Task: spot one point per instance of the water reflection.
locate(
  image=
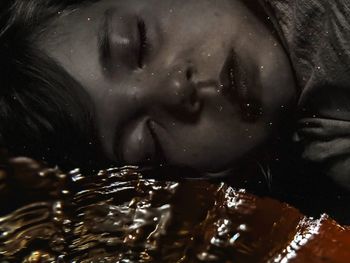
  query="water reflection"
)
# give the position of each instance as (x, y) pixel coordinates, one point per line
(118, 215)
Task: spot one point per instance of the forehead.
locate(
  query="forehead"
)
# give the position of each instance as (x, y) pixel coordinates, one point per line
(72, 36)
(85, 14)
(84, 21)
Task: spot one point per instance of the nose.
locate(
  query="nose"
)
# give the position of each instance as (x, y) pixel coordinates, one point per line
(172, 89)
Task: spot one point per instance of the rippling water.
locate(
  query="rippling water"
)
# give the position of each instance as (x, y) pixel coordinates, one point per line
(119, 216)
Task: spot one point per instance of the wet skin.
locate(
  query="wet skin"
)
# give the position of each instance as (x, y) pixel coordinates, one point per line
(191, 83)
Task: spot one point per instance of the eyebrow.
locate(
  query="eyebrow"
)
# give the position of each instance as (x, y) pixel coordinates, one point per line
(104, 46)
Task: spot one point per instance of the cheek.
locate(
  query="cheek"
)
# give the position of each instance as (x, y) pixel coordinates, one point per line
(278, 84)
(274, 72)
(215, 141)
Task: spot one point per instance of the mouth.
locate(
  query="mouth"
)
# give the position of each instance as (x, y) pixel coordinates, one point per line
(158, 156)
(139, 144)
(238, 88)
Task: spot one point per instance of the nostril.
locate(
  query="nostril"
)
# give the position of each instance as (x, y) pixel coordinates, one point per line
(193, 104)
(193, 97)
(183, 101)
(189, 73)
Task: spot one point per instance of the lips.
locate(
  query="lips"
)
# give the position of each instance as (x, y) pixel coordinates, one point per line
(238, 88)
(231, 78)
(139, 145)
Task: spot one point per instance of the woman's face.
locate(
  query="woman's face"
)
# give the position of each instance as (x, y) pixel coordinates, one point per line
(191, 83)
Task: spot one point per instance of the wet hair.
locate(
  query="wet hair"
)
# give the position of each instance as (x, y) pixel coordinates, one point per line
(44, 112)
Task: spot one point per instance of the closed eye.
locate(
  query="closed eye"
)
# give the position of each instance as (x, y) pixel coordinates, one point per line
(143, 44)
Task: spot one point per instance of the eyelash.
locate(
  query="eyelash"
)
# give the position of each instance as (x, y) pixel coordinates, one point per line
(141, 26)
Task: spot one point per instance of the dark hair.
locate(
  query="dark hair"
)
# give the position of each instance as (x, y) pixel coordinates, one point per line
(44, 112)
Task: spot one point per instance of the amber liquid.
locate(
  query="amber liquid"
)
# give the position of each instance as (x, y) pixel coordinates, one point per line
(120, 216)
